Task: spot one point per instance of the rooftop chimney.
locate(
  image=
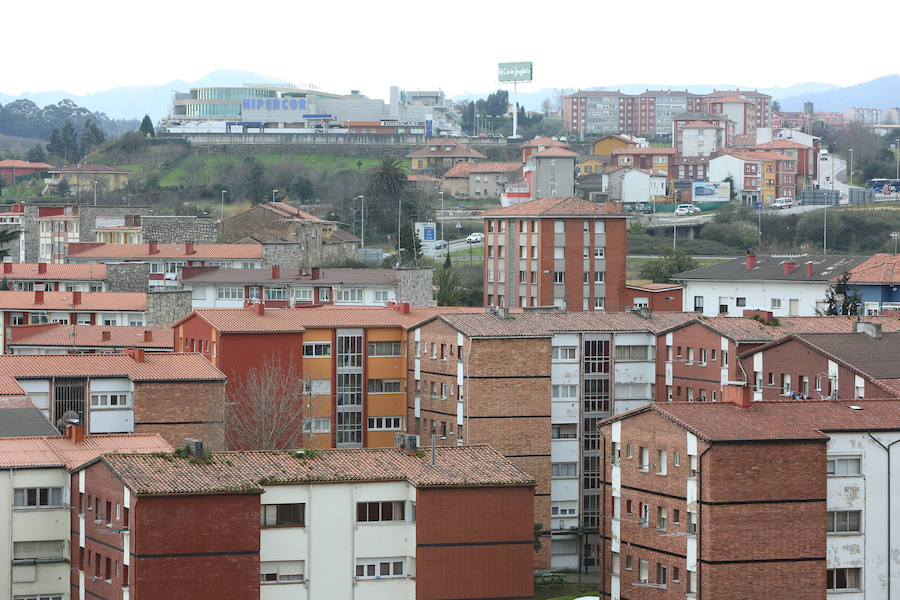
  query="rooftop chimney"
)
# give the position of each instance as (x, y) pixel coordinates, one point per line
(148, 335)
(402, 308)
(809, 268)
(153, 247)
(257, 307)
(75, 431)
(314, 273)
(765, 315)
(7, 267)
(189, 248)
(42, 267)
(276, 272)
(750, 261)
(76, 297)
(788, 266)
(873, 330)
(738, 393)
(194, 447)
(38, 296)
(136, 353)
(105, 335)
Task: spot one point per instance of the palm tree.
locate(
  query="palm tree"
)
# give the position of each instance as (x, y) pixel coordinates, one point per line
(387, 180)
(448, 291)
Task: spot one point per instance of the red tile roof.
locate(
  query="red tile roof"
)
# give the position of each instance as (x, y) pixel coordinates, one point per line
(557, 207)
(90, 301)
(291, 320)
(82, 250)
(654, 287)
(55, 272)
(544, 141)
(286, 210)
(746, 330)
(731, 99)
(782, 144)
(556, 152)
(793, 420)
(90, 336)
(157, 366)
(760, 156)
(243, 472)
(24, 164)
(461, 170)
(63, 452)
(881, 269)
(329, 276)
(495, 167)
(87, 168)
(647, 151)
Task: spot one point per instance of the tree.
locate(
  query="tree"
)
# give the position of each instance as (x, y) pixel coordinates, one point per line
(842, 297)
(410, 244)
(447, 263)
(3, 184)
(55, 145)
(388, 178)
(256, 186)
(449, 292)
(35, 154)
(664, 268)
(547, 107)
(69, 142)
(302, 188)
(147, 126)
(6, 237)
(497, 103)
(776, 106)
(91, 136)
(62, 188)
(265, 407)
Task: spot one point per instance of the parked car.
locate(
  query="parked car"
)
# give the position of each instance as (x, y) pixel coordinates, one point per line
(782, 203)
(440, 245)
(475, 238)
(686, 209)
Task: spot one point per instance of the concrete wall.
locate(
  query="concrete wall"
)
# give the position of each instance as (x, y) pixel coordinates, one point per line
(416, 286)
(179, 229)
(164, 308)
(127, 277)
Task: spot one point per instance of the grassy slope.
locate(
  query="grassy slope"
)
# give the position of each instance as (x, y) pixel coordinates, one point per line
(178, 174)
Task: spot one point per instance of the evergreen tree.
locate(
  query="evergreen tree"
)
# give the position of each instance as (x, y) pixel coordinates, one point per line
(3, 184)
(663, 269)
(147, 126)
(69, 143)
(35, 154)
(55, 145)
(91, 136)
(842, 297)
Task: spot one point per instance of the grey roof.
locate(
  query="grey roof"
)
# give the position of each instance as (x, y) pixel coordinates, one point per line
(18, 421)
(337, 276)
(771, 268)
(878, 357)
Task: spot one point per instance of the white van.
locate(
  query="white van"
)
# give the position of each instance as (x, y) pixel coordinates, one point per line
(782, 203)
(823, 154)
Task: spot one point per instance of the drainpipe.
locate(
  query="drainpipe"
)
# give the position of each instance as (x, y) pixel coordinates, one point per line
(602, 518)
(700, 519)
(468, 356)
(888, 450)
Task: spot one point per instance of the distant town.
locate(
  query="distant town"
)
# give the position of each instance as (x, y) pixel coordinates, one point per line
(287, 343)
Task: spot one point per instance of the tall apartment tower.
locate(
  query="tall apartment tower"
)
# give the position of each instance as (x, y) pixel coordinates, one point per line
(562, 252)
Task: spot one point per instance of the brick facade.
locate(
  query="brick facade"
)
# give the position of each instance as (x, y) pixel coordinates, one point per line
(179, 410)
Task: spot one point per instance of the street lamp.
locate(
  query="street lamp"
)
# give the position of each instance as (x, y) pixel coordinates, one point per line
(362, 225)
(442, 214)
(273, 195)
(851, 168)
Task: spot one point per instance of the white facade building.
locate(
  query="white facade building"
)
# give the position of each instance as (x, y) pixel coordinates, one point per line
(635, 186)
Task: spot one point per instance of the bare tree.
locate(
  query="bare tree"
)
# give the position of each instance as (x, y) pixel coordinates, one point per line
(547, 107)
(265, 407)
(559, 100)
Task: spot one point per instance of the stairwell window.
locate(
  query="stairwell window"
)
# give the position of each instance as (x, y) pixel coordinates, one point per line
(843, 579)
(283, 515)
(645, 459)
(44, 497)
(843, 521)
(843, 466)
(282, 571)
(379, 568)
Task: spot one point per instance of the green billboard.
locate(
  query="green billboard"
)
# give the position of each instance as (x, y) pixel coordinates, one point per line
(515, 71)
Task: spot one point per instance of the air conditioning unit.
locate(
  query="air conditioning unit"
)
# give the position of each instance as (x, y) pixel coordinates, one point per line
(406, 441)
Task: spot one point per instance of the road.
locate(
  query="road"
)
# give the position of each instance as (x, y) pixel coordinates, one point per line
(833, 172)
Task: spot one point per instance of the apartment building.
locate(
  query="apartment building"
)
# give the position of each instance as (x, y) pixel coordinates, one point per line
(54, 277)
(167, 260)
(696, 359)
(75, 308)
(716, 131)
(35, 500)
(877, 279)
(56, 338)
(352, 361)
(374, 523)
(794, 286)
(660, 161)
(441, 154)
(807, 156)
(845, 366)
(589, 113)
(215, 287)
(58, 226)
(562, 252)
(688, 485)
(175, 395)
(759, 177)
(533, 385)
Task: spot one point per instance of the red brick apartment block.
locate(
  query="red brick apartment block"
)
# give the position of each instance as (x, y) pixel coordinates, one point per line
(555, 251)
(323, 524)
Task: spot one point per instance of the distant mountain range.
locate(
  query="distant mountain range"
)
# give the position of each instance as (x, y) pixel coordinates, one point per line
(155, 100)
(883, 92)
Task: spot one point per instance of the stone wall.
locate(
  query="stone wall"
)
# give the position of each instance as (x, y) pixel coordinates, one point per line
(127, 277)
(416, 286)
(179, 229)
(164, 308)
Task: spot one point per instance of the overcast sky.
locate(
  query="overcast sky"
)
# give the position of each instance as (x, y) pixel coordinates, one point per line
(93, 45)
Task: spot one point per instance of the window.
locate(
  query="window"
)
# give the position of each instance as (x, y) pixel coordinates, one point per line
(644, 572)
(303, 294)
(379, 568)
(818, 383)
(316, 387)
(564, 391)
(723, 306)
(317, 425)
(316, 349)
(843, 579)
(676, 459)
(628, 562)
(843, 521)
(385, 423)
(785, 384)
(563, 353)
(559, 253)
(661, 574)
(631, 353)
(776, 303)
(692, 523)
(349, 295)
(109, 400)
(563, 509)
(276, 293)
(740, 301)
(698, 303)
(324, 294)
(628, 454)
(599, 252)
(52, 549)
(384, 386)
(645, 458)
(283, 515)
(384, 349)
(628, 507)
(703, 357)
(662, 520)
(690, 359)
(37, 497)
(564, 432)
(564, 469)
(661, 463)
(843, 466)
(380, 512)
(598, 276)
(676, 516)
(559, 277)
(281, 571)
